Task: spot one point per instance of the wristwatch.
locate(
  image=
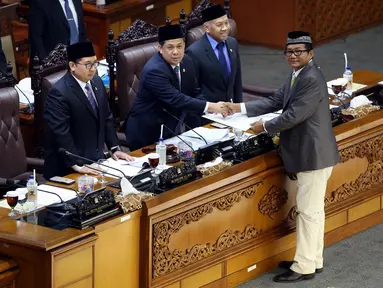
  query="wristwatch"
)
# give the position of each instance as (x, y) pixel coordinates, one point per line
(115, 149)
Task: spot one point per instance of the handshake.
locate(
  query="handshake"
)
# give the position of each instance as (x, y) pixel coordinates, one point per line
(224, 108)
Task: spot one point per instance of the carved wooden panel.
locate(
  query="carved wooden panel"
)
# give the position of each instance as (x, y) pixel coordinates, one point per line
(373, 176)
(273, 201)
(329, 18)
(166, 261)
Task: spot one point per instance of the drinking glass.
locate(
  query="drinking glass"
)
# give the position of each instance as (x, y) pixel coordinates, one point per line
(23, 197)
(154, 160)
(103, 169)
(12, 198)
(238, 133)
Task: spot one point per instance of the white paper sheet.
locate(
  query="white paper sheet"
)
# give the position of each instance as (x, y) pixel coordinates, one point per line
(355, 87)
(25, 86)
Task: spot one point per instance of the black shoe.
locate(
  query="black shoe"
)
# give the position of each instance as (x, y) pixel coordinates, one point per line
(291, 277)
(287, 264)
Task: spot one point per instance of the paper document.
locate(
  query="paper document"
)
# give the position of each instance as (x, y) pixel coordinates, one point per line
(26, 91)
(380, 83)
(241, 121)
(196, 143)
(45, 199)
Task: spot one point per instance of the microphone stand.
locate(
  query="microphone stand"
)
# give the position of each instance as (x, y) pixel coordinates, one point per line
(179, 138)
(192, 129)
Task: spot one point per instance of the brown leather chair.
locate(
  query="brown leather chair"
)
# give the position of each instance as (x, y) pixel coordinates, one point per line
(14, 163)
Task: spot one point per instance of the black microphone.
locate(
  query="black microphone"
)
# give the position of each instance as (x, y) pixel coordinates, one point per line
(179, 137)
(184, 124)
(8, 182)
(67, 153)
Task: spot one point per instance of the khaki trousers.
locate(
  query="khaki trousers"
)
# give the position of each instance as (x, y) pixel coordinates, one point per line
(310, 220)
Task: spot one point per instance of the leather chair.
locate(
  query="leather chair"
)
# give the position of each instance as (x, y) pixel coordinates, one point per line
(14, 163)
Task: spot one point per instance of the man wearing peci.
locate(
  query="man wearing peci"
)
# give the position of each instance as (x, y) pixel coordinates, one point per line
(53, 22)
(307, 147)
(78, 116)
(167, 88)
(216, 58)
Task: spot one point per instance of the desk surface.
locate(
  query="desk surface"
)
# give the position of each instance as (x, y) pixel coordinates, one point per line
(43, 238)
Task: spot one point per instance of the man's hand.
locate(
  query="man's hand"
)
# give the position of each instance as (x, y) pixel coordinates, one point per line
(121, 155)
(257, 127)
(233, 107)
(85, 170)
(219, 107)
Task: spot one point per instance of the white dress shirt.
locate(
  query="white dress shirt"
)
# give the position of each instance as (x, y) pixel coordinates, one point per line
(71, 6)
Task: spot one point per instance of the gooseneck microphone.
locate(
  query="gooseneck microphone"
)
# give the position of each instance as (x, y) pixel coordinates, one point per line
(67, 153)
(179, 138)
(185, 125)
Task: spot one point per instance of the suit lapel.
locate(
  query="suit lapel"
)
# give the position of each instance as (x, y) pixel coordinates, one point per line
(80, 94)
(213, 58)
(60, 13)
(183, 76)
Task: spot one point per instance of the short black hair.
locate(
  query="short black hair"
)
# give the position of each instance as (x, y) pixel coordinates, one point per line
(309, 46)
(77, 60)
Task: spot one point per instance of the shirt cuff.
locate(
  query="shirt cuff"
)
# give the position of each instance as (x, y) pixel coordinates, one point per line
(264, 127)
(243, 108)
(76, 168)
(206, 107)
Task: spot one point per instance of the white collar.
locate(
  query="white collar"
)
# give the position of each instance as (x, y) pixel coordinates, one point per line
(178, 65)
(81, 83)
(296, 73)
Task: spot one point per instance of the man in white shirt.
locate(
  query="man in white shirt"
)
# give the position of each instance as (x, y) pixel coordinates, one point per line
(53, 22)
(307, 147)
(78, 116)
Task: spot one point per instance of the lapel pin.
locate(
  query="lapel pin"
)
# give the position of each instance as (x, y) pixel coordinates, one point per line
(183, 70)
(231, 50)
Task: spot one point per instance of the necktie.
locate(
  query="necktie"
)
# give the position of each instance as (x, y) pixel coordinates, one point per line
(179, 128)
(177, 71)
(222, 60)
(72, 24)
(90, 97)
(292, 80)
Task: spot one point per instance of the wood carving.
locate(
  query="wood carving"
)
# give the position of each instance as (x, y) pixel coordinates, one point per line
(139, 29)
(292, 216)
(166, 261)
(195, 17)
(56, 57)
(272, 201)
(373, 176)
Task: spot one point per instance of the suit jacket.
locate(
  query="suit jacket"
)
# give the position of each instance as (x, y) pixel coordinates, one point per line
(75, 126)
(209, 74)
(48, 26)
(159, 90)
(307, 140)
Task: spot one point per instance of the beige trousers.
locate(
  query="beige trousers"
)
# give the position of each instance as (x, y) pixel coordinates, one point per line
(310, 220)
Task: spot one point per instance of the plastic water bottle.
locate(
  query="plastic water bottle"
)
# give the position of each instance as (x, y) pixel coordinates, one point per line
(161, 150)
(100, 4)
(32, 191)
(349, 76)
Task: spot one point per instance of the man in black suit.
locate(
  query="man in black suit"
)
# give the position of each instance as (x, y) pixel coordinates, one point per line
(53, 22)
(216, 58)
(78, 116)
(167, 87)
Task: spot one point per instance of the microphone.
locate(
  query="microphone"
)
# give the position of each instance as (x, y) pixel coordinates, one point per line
(67, 153)
(179, 138)
(184, 124)
(8, 182)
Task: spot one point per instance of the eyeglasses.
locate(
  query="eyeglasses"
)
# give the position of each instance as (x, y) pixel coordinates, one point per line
(288, 53)
(90, 65)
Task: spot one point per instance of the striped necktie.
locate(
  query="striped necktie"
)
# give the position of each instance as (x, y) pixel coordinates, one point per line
(72, 25)
(293, 80)
(90, 97)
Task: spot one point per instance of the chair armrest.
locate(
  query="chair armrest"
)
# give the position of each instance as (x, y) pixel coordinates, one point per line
(258, 90)
(35, 163)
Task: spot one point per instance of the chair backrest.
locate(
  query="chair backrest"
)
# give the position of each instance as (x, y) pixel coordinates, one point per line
(12, 151)
(134, 47)
(193, 26)
(44, 75)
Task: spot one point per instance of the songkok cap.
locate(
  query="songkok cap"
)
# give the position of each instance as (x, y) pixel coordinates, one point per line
(298, 37)
(80, 50)
(170, 32)
(212, 12)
